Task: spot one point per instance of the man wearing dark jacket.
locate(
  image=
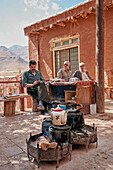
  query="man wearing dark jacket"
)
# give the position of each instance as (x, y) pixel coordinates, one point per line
(35, 84)
(82, 74)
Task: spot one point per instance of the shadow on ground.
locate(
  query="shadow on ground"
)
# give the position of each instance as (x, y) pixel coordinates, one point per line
(15, 130)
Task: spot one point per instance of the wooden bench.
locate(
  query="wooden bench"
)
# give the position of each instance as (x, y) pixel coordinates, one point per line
(10, 103)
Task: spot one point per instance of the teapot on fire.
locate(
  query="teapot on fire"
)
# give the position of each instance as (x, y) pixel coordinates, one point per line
(59, 116)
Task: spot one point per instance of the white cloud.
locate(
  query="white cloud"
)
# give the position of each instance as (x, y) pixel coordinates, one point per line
(14, 34)
(42, 4)
(31, 3)
(25, 9)
(25, 1)
(55, 6)
(46, 13)
(40, 9)
(33, 11)
(43, 7)
(37, 15)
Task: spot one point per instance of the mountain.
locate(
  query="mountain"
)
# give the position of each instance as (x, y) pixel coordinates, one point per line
(5, 49)
(20, 51)
(14, 47)
(11, 60)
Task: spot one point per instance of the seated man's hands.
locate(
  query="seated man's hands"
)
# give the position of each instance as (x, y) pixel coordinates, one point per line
(36, 82)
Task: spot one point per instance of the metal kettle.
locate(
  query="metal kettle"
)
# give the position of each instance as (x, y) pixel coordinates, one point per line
(59, 116)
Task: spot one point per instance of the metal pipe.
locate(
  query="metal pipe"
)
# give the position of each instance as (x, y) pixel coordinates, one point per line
(37, 51)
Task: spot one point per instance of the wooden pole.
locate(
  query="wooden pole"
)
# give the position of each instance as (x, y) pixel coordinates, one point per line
(21, 90)
(100, 56)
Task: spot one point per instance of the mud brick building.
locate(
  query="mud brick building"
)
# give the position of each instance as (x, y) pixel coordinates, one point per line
(71, 35)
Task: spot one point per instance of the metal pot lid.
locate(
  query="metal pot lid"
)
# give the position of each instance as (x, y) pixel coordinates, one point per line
(47, 119)
(73, 115)
(72, 110)
(61, 127)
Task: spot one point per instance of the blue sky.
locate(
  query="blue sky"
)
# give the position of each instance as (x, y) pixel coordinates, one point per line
(17, 14)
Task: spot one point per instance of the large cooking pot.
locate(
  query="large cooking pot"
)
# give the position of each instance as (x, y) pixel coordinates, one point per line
(59, 116)
(75, 120)
(59, 134)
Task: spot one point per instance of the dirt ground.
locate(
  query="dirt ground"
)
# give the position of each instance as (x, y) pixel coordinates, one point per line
(15, 130)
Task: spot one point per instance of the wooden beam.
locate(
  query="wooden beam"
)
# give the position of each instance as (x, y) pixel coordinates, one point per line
(84, 15)
(106, 8)
(30, 34)
(45, 28)
(62, 24)
(68, 19)
(52, 26)
(73, 19)
(100, 56)
(92, 10)
(36, 32)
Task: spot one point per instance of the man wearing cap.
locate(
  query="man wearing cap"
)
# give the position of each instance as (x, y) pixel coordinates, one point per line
(65, 72)
(82, 74)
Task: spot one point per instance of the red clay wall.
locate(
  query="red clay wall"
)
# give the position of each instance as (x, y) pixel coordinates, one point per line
(32, 48)
(85, 28)
(109, 39)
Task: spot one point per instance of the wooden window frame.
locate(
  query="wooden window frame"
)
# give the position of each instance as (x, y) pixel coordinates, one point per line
(1, 94)
(63, 47)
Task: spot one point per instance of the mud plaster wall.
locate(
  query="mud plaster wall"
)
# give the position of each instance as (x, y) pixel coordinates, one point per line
(86, 28)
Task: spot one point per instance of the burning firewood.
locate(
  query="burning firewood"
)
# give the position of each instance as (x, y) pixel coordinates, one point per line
(44, 144)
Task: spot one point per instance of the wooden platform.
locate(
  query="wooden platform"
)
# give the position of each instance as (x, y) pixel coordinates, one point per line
(10, 103)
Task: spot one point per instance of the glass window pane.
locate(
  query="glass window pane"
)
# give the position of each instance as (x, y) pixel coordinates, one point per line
(15, 91)
(66, 42)
(75, 40)
(1, 90)
(12, 90)
(74, 64)
(57, 61)
(57, 44)
(64, 56)
(67, 55)
(60, 57)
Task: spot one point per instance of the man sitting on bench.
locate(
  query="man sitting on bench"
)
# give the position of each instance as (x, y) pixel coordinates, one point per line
(35, 84)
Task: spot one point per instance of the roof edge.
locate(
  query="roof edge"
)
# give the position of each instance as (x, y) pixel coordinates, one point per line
(66, 10)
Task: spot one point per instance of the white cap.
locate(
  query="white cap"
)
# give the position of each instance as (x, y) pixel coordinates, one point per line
(81, 64)
(65, 62)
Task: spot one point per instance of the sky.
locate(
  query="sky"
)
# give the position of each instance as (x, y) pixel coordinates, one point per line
(15, 15)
